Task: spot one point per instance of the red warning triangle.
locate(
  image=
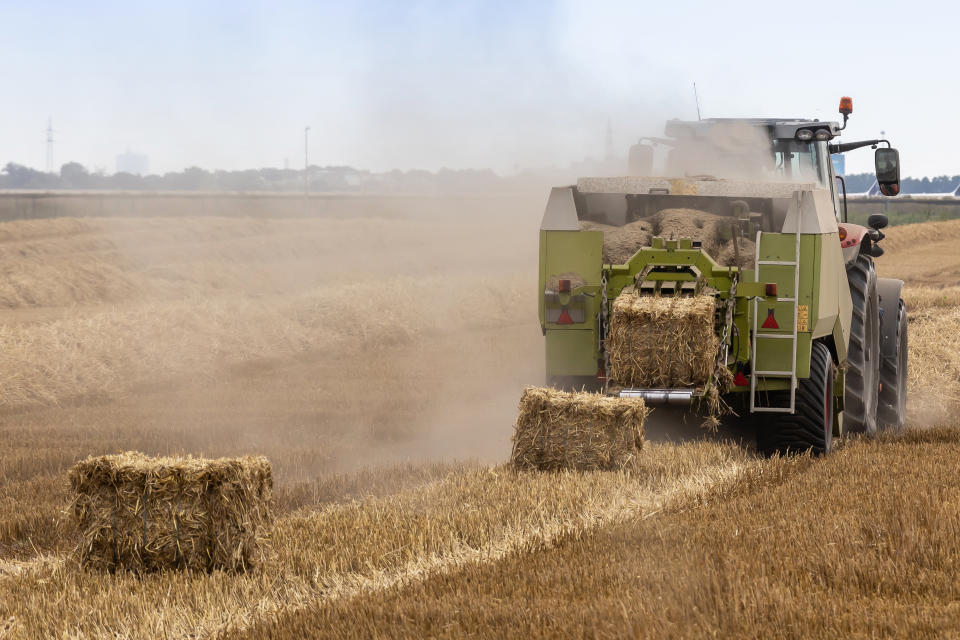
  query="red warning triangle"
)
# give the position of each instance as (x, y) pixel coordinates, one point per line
(770, 322)
(564, 318)
(740, 380)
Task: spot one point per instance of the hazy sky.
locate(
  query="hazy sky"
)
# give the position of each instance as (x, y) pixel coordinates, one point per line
(412, 84)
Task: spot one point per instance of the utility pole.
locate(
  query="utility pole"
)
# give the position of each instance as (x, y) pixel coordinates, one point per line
(49, 145)
(306, 161)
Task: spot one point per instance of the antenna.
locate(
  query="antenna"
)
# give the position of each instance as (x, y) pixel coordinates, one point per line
(696, 99)
(49, 145)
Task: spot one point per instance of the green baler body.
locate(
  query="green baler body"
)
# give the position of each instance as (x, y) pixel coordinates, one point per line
(823, 298)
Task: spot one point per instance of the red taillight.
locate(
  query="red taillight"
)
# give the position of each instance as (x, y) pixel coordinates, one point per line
(843, 234)
(770, 322)
(771, 289)
(564, 286)
(740, 380)
(564, 317)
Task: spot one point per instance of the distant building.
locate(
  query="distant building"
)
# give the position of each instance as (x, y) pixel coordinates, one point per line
(135, 163)
(839, 164)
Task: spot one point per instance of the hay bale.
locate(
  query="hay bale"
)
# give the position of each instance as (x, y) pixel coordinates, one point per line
(727, 256)
(662, 342)
(707, 228)
(584, 431)
(715, 233)
(140, 513)
(620, 243)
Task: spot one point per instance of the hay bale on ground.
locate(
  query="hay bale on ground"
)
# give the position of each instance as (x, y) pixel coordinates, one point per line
(620, 243)
(140, 513)
(662, 342)
(585, 431)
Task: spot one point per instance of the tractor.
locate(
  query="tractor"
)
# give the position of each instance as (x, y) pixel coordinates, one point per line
(813, 342)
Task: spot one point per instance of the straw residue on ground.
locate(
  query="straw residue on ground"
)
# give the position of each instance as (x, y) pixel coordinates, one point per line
(447, 548)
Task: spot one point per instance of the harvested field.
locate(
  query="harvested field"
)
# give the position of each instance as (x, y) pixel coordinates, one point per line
(377, 362)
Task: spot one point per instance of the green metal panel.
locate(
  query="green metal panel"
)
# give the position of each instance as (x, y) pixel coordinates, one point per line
(571, 252)
(571, 352)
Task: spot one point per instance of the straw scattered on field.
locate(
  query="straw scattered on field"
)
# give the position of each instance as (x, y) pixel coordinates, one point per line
(347, 549)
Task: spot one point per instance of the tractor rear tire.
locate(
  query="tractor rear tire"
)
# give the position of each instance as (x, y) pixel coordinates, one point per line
(810, 426)
(863, 356)
(892, 406)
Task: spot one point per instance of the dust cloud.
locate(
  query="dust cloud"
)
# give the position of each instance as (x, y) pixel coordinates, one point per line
(360, 332)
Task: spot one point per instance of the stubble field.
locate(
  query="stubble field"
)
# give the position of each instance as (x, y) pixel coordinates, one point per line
(377, 362)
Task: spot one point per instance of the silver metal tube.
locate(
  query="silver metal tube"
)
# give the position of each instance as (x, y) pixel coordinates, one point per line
(660, 396)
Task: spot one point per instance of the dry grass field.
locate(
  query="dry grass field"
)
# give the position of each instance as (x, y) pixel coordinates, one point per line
(377, 361)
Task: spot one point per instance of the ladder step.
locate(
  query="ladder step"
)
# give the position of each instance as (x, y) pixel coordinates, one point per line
(772, 410)
(779, 336)
(774, 374)
(786, 299)
(780, 263)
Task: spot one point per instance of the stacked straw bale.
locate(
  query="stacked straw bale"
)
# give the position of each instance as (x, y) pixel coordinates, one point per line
(140, 513)
(662, 341)
(558, 430)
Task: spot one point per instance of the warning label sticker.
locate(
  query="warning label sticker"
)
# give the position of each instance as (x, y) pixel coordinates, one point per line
(803, 317)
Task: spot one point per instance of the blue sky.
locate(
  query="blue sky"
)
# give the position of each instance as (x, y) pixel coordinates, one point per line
(460, 84)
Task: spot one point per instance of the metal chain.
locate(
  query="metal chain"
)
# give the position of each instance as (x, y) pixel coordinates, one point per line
(604, 328)
(728, 322)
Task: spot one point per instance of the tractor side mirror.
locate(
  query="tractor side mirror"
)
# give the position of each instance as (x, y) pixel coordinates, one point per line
(878, 221)
(887, 162)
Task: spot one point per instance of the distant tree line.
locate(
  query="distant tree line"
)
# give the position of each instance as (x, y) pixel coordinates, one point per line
(74, 175)
(860, 182)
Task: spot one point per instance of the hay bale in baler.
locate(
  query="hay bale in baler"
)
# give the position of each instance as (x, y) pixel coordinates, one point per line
(620, 243)
(559, 430)
(700, 226)
(662, 342)
(141, 513)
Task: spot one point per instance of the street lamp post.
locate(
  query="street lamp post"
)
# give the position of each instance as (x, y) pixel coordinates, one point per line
(306, 161)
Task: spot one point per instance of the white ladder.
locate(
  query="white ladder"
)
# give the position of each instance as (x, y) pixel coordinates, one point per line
(792, 336)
